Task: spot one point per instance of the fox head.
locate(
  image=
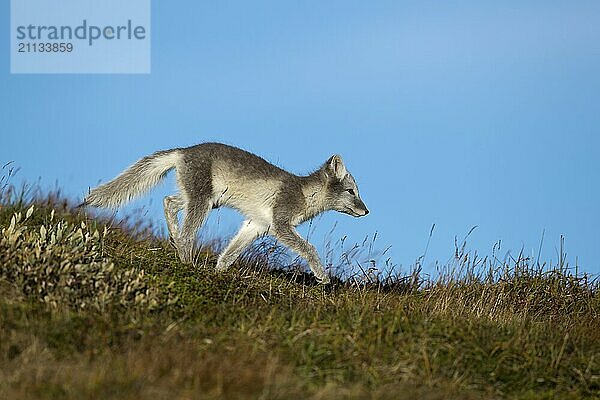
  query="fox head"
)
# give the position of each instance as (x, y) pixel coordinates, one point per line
(342, 193)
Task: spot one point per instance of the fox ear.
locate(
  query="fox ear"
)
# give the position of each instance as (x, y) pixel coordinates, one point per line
(336, 165)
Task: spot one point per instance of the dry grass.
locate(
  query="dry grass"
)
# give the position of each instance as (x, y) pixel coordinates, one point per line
(109, 312)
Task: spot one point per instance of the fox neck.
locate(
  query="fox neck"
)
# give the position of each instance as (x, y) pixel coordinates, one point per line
(314, 190)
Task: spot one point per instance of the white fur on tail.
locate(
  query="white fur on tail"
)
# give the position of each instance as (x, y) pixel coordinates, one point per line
(134, 181)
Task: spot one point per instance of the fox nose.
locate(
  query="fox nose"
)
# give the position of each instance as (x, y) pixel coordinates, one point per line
(366, 211)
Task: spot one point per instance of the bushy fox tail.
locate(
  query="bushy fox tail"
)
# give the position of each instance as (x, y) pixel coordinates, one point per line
(134, 181)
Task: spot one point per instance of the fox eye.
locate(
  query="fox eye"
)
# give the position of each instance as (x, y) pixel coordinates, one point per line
(351, 191)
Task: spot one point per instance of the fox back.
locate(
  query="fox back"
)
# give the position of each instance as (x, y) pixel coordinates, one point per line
(255, 187)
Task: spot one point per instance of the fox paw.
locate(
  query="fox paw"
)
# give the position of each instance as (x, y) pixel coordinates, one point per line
(222, 265)
(185, 257)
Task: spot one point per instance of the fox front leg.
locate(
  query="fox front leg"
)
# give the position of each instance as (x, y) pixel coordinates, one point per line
(289, 237)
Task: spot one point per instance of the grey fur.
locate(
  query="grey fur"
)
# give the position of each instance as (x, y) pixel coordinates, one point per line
(211, 175)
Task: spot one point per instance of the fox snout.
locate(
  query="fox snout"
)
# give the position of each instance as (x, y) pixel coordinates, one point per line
(357, 209)
(362, 208)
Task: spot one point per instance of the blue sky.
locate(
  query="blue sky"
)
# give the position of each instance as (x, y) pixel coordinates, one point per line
(456, 114)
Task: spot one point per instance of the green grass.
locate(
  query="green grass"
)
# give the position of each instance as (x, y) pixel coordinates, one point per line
(89, 310)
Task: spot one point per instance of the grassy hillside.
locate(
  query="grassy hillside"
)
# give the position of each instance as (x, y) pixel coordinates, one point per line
(89, 310)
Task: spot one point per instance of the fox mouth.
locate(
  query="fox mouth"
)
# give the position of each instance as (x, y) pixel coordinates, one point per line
(353, 213)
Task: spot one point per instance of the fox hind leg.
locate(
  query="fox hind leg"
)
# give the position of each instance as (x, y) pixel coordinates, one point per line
(172, 205)
(195, 214)
(249, 231)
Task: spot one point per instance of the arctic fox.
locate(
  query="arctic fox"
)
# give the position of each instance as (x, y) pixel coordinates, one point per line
(211, 175)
